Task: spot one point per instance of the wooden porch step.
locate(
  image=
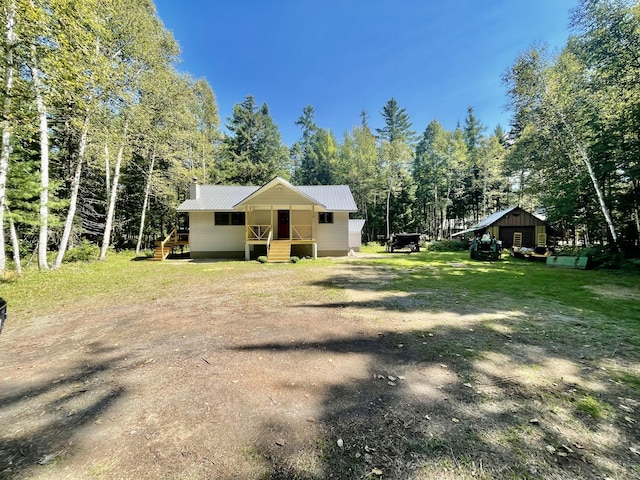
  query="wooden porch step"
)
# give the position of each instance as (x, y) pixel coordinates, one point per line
(279, 251)
(160, 254)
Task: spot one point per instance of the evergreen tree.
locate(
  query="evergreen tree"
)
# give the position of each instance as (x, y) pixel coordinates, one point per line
(253, 153)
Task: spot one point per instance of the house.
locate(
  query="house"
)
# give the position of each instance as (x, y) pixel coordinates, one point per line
(277, 219)
(513, 227)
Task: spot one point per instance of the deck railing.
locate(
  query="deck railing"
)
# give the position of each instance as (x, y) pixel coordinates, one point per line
(265, 232)
(302, 232)
(258, 232)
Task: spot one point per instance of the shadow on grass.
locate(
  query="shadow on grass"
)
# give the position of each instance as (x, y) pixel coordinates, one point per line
(503, 399)
(49, 414)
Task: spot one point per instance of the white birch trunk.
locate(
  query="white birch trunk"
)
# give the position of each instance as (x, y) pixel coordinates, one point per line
(10, 41)
(16, 247)
(145, 203)
(114, 191)
(73, 201)
(44, 164)
(107, 168)
(388, 208)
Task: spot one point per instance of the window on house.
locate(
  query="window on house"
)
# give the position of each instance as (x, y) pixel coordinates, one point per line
(229, 218)
(325, 217)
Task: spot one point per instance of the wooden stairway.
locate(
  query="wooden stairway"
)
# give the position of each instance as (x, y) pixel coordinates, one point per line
(162, 252)
(279, 251)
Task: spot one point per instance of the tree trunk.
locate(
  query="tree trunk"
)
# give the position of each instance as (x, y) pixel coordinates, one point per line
(10, 41)
(43, 237)
(75, 186)
(388, 208)
(114, 190)
(107, 168)
(147, 189)
(16, 246)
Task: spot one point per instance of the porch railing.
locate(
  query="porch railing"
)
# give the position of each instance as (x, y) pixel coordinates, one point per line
(302, 232)
(258, 232)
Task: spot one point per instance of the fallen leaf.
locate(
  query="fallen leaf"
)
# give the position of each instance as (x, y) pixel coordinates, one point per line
(635, 449)
(391, 384)
(376, 471)
(340, 443)
(550, 449)
(280, 442)
(455, 420)
(391, 378)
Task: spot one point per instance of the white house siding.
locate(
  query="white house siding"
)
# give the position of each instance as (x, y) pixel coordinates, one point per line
(209, 240)
(259, 217)
(302, 217)
(333, 238)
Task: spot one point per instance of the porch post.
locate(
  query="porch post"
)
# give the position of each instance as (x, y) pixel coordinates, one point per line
(290, 222)
(247, 254)
(315, 250)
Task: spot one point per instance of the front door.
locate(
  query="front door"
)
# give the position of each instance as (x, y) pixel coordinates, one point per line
(283, 224)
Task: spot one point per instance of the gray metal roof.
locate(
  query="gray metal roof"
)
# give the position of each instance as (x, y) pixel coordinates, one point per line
(334, 197)
(217, 197)
(224, 197)
(486, 222)
(356, 225)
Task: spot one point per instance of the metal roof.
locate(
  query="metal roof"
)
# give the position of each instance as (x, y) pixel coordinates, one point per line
(334, 197)
(494, 217)
(217, 197)
(225, 197)
(356, 225)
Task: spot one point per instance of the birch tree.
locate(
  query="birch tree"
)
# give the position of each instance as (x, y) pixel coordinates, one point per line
(10, 41)
(551, 98)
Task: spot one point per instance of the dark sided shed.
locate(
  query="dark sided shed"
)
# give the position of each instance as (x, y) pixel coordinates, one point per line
(506, 223)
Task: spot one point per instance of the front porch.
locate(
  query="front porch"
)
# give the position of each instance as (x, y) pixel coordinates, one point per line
(284, 229)
(280, 249)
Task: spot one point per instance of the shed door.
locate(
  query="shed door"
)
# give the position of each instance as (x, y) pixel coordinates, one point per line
(528, 236)
(283, 224)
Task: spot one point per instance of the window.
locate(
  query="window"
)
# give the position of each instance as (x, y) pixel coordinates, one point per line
(325, 217)
(229, 218)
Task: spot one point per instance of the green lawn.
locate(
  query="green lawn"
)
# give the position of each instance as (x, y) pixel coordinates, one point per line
(543, 364)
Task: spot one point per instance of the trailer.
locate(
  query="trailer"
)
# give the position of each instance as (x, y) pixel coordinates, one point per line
(403, 241)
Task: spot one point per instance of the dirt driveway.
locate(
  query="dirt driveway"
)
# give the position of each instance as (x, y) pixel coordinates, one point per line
(278, 372)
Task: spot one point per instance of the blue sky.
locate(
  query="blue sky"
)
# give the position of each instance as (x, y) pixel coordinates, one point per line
(436, 58)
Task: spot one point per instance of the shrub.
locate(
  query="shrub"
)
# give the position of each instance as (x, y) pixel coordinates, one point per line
(447, 246)
(85, 251)
(262, 259)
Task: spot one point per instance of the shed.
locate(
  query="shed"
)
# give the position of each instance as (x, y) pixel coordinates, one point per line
(505, 224)
(355, 234)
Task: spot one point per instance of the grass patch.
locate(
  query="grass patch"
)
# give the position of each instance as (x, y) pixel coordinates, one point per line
(593, 407)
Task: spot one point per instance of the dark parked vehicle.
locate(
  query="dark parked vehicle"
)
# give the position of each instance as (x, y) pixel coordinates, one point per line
(3, 312)
(402, 241)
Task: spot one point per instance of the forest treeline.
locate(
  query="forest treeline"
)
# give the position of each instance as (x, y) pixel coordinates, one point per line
(102, 134)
